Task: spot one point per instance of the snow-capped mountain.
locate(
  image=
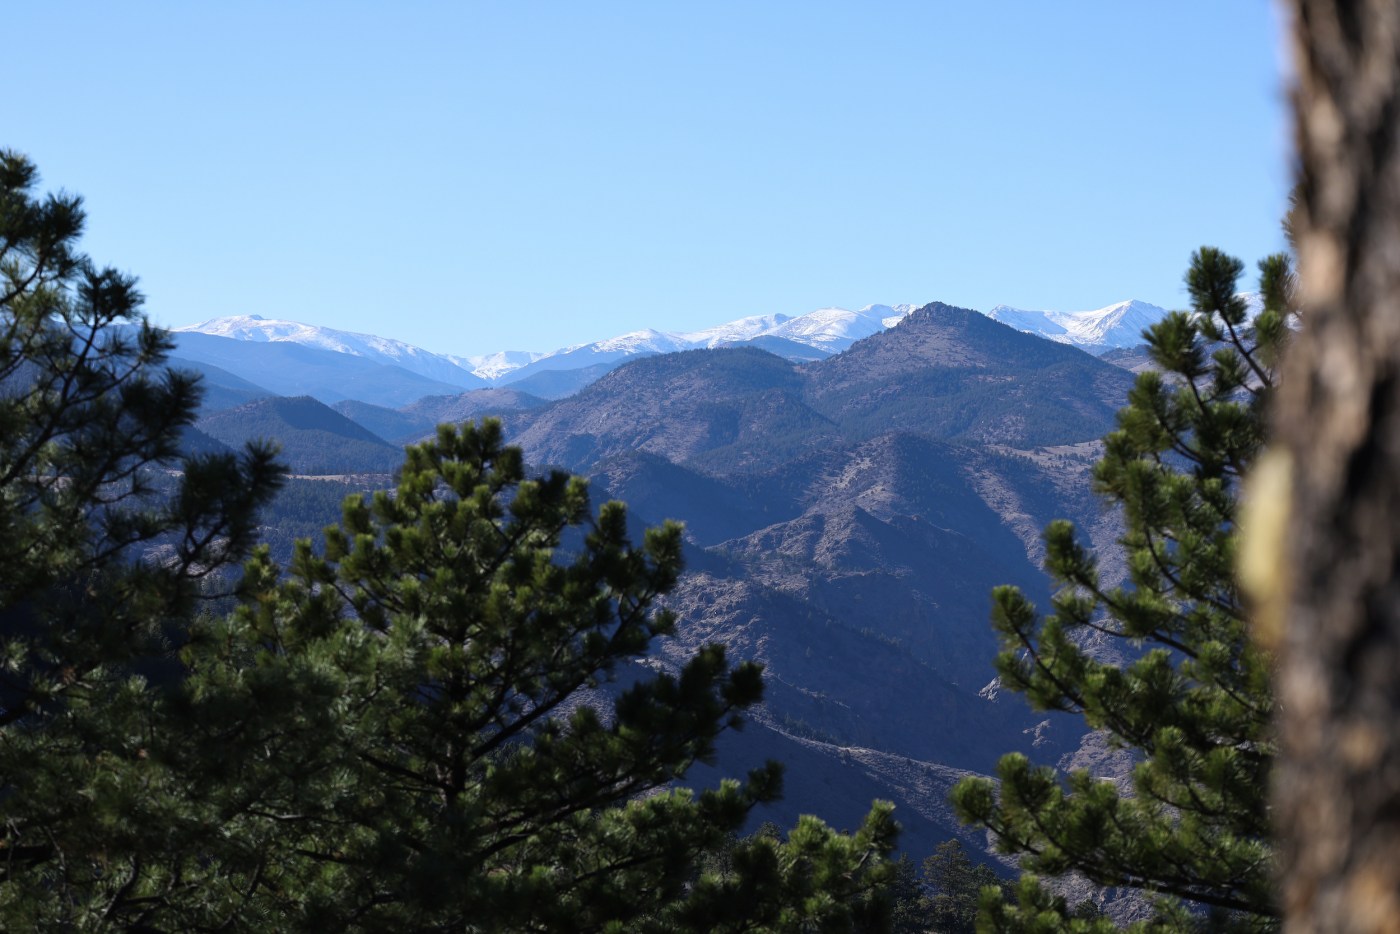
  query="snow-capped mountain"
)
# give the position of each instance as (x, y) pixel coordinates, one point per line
(379, 349)
(829, 329)
(646, 340)
(826, 331)
(250, 355)
(814, 335)
(490, 366)
(1102, 329)
(1117, 325)
(835, 329)
(734, 331)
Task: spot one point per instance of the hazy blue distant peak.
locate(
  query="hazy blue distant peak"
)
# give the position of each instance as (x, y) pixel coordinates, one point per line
(381, 349)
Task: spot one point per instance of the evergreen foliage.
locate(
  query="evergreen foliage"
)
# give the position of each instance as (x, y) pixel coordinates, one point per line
(1195, 703)
(431, 764)
(955, 886)
(943, 897)
(410, 730)
(302, 509)
(91, 481)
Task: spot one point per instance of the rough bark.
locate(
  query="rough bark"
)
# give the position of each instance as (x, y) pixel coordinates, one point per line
(1338, 782)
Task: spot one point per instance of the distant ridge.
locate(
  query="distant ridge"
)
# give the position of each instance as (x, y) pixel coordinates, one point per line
(819, 333)
(382, 350)
(944, 372)
(313, 438)
(222, 389)
(291, 369)
(292, 358)
(473, 405)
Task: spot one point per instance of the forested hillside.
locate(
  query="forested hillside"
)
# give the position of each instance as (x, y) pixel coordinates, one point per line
(312, 437)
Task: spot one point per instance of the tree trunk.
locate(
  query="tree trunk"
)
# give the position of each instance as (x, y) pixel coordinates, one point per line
(1338, 782)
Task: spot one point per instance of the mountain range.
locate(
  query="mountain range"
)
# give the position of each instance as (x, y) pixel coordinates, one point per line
(826, 331)
(846, 517)
(290, 358)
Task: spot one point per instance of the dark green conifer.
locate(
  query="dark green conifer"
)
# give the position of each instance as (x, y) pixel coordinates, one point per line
(1194, 704)
(105, 535)
(955, 885)
(431, 762)
(943, 897)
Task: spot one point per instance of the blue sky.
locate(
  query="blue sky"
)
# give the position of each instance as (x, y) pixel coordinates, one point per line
(473, 177)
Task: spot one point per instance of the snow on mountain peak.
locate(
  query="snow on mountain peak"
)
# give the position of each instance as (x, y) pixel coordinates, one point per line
(827, 330)
(824, 331)
(491, 366)
(1118, 325)
(742, 329)
(382, 349)
(889, 315)
(646, 340)
(835, 329)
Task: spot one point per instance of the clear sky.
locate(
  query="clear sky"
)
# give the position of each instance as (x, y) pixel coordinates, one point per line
(472, 177)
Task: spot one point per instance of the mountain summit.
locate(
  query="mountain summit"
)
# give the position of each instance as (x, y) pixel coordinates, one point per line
(1117, 325)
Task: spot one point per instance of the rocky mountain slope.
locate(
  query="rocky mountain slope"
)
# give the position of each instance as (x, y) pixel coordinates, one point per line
(846, 521)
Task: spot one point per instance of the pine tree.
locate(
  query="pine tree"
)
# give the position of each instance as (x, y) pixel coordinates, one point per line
(955, 885)
(429, 763)
(1195, 703)
(944, 895)
(90, 480)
